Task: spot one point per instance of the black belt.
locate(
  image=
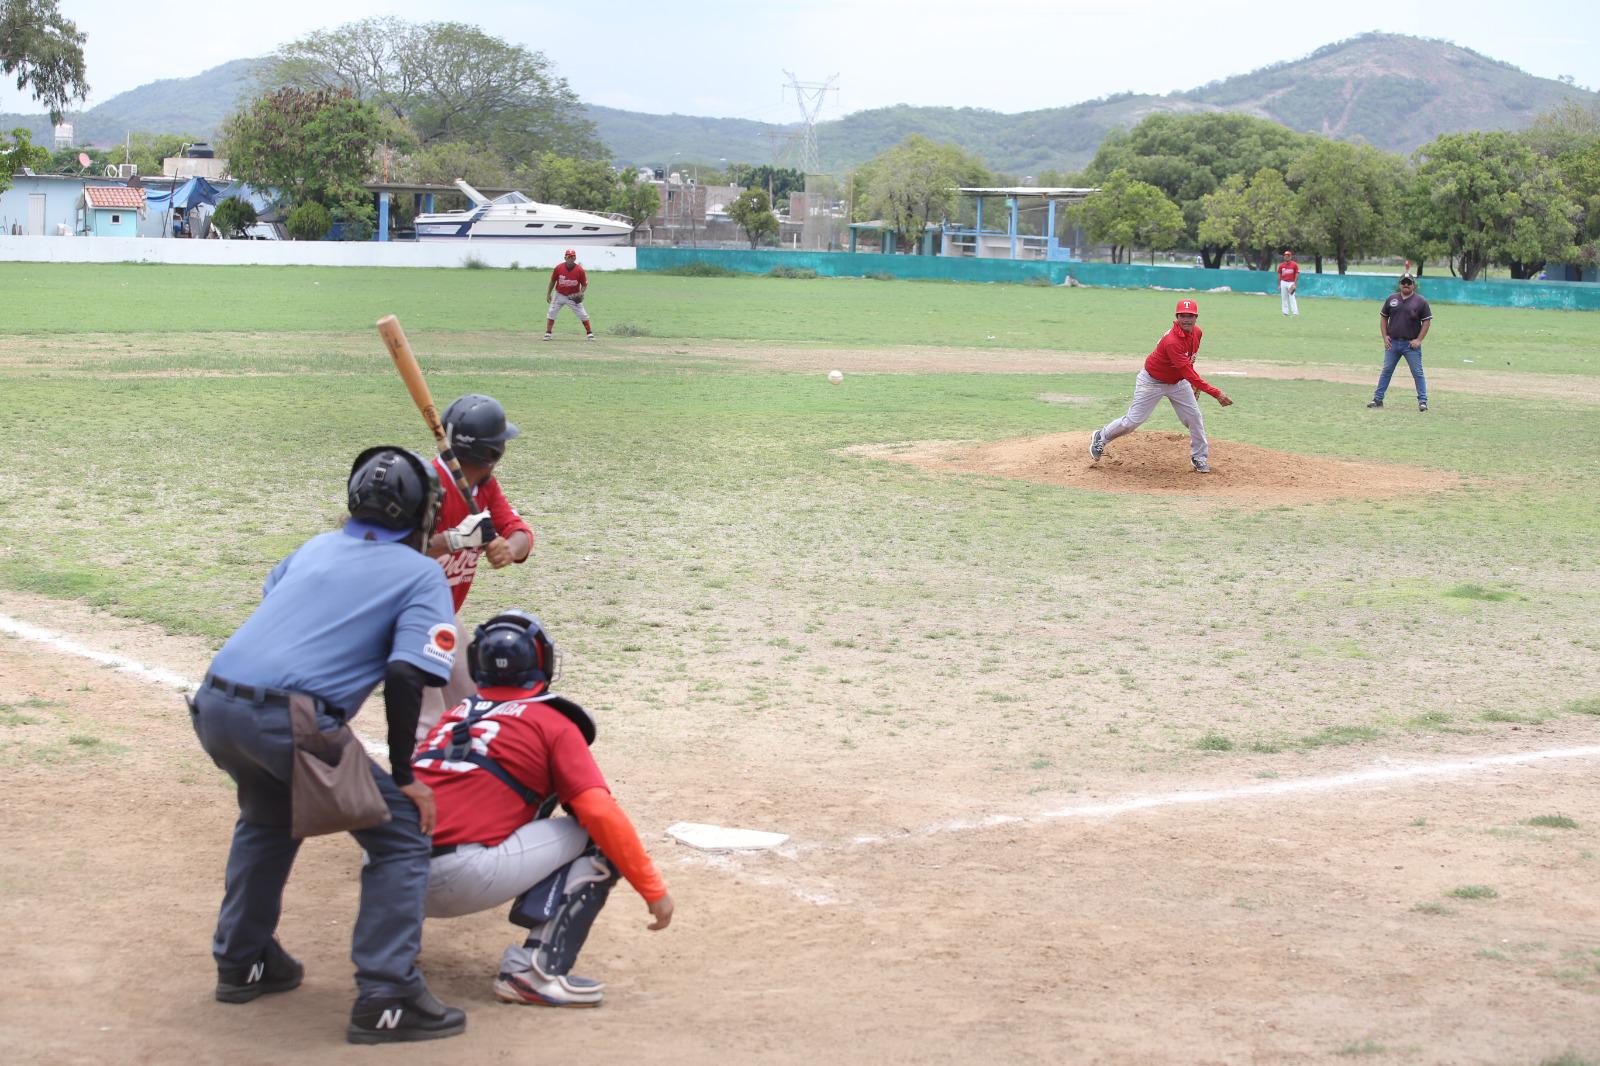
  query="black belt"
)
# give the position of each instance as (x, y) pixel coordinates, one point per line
(443, 849)
(253, 693)
(263, 696)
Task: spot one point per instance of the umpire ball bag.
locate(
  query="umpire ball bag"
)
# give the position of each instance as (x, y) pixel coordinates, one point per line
(331, 789)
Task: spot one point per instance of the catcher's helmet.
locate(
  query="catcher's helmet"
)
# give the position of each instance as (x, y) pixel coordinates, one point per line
(394, 488)
(512, 649)
(477, 429)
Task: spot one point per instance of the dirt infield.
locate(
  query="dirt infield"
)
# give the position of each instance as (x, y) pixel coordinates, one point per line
(1293, 929)
(1150, 462)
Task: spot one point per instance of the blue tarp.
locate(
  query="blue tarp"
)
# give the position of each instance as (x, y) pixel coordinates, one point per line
(191, 193)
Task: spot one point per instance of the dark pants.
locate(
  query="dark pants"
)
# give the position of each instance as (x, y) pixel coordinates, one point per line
(252, 743)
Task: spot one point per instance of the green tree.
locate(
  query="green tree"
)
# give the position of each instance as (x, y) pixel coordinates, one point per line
(779, 182)
(20, 153)
(446, 81)
(1127, 213)
(233, 216)
(914, 183)
(308, 222)
(44, 51)
(1188, 156)
(587, 185)
(308, 147)
(636, 199)
(753, 212)
(1569, 138)
(444, 161)
(1347, 198)
(1488, 198)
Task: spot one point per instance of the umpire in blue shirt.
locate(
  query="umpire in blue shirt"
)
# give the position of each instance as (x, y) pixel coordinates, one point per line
(346, 610)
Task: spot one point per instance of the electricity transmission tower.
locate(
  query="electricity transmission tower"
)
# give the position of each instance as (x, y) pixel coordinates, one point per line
(809, 95)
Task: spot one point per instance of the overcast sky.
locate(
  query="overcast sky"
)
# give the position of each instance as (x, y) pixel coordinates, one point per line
(726, 58)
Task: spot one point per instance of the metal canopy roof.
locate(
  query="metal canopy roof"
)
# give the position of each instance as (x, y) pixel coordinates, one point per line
(1044, 192)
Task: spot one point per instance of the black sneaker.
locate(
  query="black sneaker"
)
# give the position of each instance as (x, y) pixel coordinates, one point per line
(1423, 406)
(1375, 403)
(275, 971)
(419, 1016)
(1097, 446)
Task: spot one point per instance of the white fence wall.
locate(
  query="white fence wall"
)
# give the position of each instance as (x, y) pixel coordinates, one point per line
(300, 253)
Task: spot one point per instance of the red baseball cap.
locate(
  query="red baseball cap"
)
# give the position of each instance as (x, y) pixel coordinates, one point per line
(569, 254)
(1187, 307)
(1287, 252)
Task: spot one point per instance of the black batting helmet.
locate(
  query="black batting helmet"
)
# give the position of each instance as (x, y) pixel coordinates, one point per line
(394, 488)
(477, 429)
(512, 649)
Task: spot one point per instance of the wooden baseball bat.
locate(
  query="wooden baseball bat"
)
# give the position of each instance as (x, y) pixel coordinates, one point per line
(405, 361)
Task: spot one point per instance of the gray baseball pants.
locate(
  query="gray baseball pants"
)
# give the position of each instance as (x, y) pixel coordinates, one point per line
(1147, 392)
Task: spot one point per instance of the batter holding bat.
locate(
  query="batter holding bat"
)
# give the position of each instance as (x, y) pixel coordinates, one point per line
(488, 527)
(475, 517)
(1169, 371)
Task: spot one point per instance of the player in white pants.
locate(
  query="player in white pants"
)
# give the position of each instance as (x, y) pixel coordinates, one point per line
(1169, 371)
(1288, 283)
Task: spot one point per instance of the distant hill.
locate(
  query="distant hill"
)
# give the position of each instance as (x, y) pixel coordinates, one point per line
(1388, 90)
(1384, 89)
(192, 106)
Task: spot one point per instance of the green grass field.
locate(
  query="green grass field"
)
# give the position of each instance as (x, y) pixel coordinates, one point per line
(704, 546)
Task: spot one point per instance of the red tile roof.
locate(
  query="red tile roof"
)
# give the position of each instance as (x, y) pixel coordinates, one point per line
(113, 196)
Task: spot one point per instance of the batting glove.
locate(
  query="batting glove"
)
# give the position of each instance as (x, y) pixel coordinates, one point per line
(475, 531)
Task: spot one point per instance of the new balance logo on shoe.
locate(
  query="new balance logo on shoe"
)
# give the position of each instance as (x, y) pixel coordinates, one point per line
(390, 1019)
(258, 970)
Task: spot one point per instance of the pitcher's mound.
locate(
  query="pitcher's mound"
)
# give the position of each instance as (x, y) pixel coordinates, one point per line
(1159, 463)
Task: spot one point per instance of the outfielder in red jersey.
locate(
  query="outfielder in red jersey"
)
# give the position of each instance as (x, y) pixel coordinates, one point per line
(1169, 371)
(477, 430)
(1288, 283)
(495, 763)
(569, 283)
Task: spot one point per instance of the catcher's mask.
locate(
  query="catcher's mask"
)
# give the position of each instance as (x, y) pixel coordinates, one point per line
(512, 649)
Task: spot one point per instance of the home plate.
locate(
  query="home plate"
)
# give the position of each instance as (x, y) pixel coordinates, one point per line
(720, 838)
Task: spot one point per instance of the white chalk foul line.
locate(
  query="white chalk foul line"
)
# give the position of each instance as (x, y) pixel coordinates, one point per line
(1107, 809)
(62, 642)
(1334, 783)
(117, 662)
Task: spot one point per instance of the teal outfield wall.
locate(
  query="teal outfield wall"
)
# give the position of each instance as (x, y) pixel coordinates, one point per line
(1546, 295)
(857, 264)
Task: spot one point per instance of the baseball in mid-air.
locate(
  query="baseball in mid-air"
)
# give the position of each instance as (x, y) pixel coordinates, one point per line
(835, 376)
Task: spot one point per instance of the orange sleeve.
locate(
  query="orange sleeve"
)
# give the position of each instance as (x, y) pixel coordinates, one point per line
(609, 828)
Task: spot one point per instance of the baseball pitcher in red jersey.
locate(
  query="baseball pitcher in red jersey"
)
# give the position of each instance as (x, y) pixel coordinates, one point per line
(1169, 371)
(498, 764)
(569, 283)
(1288, 283)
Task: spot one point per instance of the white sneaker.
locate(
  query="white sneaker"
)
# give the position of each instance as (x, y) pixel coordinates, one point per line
(589, 336)
(547, 336)
(540, 990)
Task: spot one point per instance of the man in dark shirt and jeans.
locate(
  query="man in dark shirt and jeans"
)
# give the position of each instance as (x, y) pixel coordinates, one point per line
(1403, 321)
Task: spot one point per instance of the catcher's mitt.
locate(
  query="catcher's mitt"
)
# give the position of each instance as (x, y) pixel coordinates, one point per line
(578, 299)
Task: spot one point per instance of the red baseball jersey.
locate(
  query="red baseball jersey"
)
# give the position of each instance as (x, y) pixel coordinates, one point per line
(1173, 360)
(568, 280)
(1288, 270)
(462, 566)
(531, 741)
